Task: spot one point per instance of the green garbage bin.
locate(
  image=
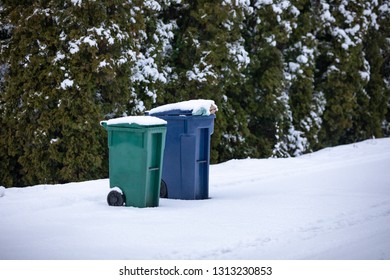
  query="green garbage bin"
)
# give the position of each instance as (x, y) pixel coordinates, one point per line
(136, 146)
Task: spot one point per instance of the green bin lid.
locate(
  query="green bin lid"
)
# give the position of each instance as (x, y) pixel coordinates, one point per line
(134, 121)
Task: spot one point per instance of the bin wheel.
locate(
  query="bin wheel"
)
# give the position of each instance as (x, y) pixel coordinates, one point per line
(163, 190)
(115, 198)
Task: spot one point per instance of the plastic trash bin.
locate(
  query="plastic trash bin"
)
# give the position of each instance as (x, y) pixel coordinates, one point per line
(187, 150)
(136, 145)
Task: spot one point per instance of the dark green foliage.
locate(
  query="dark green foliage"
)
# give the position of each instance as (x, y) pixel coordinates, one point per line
(377, 50)
(289, 77)
(349, 77)
(300, 63)
(265, 84)
(203, 67)
(57, 89)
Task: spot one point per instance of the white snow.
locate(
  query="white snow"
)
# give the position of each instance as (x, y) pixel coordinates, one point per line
(326, 15)
(238, 53)
(66, 83)
(90, 41)
(294, 67)
(332, 204)
(140, 120)
(59, 56)
(260, 3)
(103, 64)
(302, 59)
(201, 71)
(364, 75)
(2, 191)
(76, 2)
(196, 106)
(54, 140)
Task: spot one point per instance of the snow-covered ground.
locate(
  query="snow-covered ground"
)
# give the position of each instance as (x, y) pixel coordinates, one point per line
(332, 204)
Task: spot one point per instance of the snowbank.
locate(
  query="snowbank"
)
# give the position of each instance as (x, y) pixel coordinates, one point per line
(201, 107)
(331, 204)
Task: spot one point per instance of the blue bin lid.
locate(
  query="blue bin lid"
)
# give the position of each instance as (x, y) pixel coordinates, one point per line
(198, 107)
(174, 112)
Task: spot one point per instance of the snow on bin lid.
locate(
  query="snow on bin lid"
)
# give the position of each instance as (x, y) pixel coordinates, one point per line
(139, 120)
(200, 107)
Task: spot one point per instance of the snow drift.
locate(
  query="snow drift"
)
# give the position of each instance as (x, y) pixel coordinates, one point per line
(332, 204)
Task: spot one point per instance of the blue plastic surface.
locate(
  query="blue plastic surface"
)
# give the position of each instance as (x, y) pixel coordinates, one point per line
(187, 154)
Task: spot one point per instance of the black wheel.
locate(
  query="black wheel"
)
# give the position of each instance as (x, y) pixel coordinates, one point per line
(163, 190)
(115, 198)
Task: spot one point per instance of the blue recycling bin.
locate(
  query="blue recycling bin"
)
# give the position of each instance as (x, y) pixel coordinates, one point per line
(185, 173)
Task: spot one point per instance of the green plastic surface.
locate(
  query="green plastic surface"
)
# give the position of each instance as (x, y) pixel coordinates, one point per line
(135, 161)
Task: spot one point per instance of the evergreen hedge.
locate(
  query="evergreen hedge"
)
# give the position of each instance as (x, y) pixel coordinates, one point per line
(289, 76)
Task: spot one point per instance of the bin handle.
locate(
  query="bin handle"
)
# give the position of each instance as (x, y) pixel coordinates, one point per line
(154, 168)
